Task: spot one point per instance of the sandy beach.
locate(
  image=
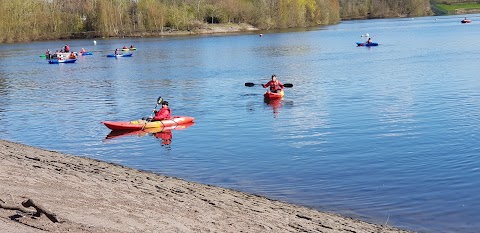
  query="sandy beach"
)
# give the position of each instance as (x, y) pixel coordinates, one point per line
(87, 195)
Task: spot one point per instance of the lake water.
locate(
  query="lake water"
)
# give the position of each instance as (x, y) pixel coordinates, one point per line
(388, 134)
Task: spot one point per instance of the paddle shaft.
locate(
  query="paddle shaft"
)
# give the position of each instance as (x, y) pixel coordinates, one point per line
(253, 84)
(153, 111)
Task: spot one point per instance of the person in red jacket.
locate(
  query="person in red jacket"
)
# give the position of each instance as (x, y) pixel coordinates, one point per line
(163, 113)
(274, 84)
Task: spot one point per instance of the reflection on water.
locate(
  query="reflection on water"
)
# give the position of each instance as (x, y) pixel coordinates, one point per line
(276, 104)
(163, 134)
(284, 51)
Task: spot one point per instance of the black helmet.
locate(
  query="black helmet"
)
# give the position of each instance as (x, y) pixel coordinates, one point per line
(165, 103)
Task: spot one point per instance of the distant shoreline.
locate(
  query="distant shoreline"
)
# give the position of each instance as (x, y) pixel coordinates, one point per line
(88, 195)
(205, 29)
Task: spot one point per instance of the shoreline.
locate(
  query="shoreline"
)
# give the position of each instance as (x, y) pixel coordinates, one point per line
(206, 29)
(89, 195)
(203, 30)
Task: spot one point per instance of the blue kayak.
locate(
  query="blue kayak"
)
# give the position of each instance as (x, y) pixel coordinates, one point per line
(120, 55)
(86, 53)
(366, 44)
(56, 61)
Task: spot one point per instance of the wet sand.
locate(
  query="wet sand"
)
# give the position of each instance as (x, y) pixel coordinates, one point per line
(88, 195)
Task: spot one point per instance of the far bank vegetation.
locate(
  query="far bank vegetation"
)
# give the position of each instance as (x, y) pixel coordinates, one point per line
(26, 20)
(359, 9)
(456, 6)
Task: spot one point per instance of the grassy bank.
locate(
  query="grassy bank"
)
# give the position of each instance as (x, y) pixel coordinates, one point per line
(459, 8)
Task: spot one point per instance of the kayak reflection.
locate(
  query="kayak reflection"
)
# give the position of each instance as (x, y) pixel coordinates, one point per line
(162, 133)
(276, 104)
(165, 136)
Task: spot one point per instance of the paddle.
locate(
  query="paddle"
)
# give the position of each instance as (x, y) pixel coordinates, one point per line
(159, 101)
(253, 84)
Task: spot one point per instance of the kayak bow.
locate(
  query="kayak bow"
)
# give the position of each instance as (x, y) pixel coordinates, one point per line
(272, 95)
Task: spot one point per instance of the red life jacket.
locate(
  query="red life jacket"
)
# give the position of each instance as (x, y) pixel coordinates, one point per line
(274, 86)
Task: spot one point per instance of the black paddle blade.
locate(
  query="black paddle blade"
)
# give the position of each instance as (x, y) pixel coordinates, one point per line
(159, 100)
(288, 85)
(249, 84)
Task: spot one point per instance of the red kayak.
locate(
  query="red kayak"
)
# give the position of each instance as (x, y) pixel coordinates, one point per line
(142, 124)
(140, 133)
(272, 95)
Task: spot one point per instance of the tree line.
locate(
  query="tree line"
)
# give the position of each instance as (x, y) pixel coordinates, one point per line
(25, 20)
(356, 9)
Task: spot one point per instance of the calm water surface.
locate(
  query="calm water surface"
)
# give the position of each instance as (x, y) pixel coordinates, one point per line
(387, 134)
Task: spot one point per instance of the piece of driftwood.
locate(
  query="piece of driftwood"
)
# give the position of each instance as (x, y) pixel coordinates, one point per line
(30, 203)
(40, 210)
(19, 208)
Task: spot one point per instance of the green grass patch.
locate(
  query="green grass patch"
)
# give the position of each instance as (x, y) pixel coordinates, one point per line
(453, 7)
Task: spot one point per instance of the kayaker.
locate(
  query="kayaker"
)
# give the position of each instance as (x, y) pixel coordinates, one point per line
(125, 47)
(274, 84)
(369, 41)
(131, 46)
(83, 50)
(67, 48)
(116, 51)
(163, 113)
